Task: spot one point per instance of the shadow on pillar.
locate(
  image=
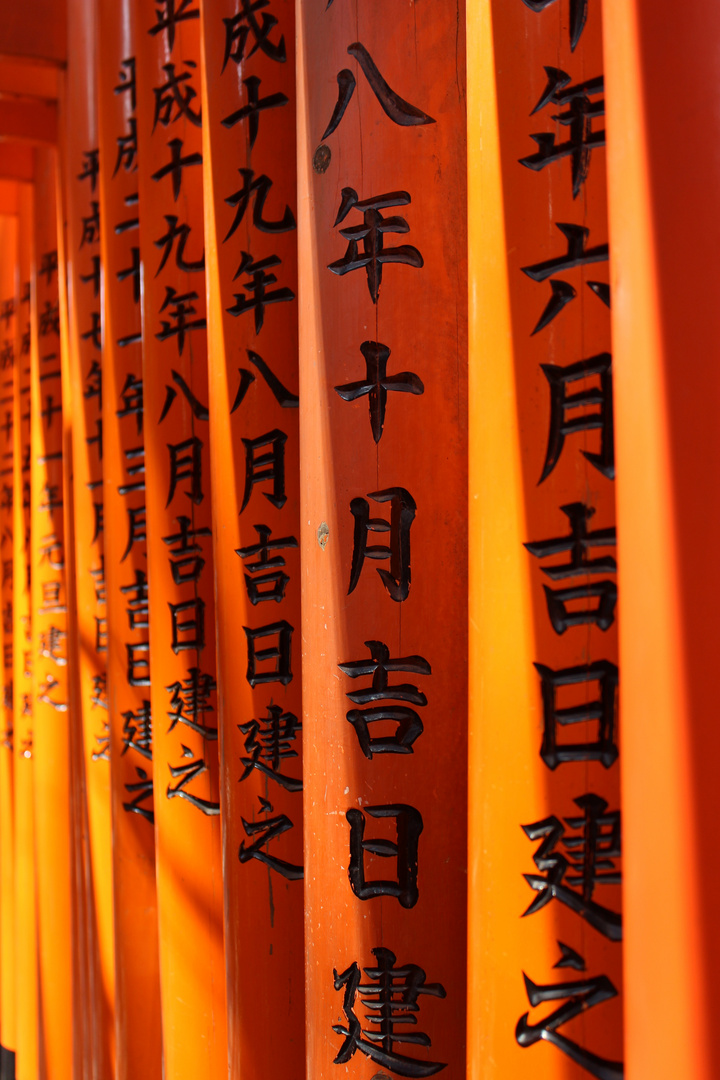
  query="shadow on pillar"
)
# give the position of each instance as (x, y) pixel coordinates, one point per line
(7, 1064)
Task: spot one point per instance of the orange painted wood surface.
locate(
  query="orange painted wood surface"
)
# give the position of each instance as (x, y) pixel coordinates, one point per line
(137, 979)
(180, 568)
(662, 173)
(36, 35)
(80, 164)
(9, 197)
(250, 211)
(381, 195)
(8, 274)
(543, 920)
(16, 160)
(83, 931)
(26, 932)
(51, 718)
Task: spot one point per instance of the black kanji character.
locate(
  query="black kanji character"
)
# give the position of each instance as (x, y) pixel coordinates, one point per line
(582, 995)
(561, 402)
(97, 438)
(98, 696)
(7, 355)
(91, 225)
(100, 634)
(190, 700)
(265, 831)
(187, 564)
(51, 550)
(132, 223)
(132, 272)
(138, 663)
(372, 233)
(93, 276)
(578, 118)
(90, 167)
(280, 654)
(52, 645)
(588, 862)
(135, 458)
(99, 511)
(52, 498)
(578, 543)
(168, 14)
(402, 514)
(186, 464)
(138, 602)
(603, 710)
(94, 334)
(199, 411)
(578, 254)
(141, 791)
(97, 573)
(178, 324)
(401, 112)
(175, 92)
(132, 400)
(267, 742)
(409, 725)
(404, 849)
(48, 266)
(188, 618)
(93, 384)
(166, 243)
(267, 466)
(392, 996)
(127, 81)
(46, 688)
(188, 773)
(578, 16)
(103, 740)
(282, 395)
(127, 149)
(272, 577)
(377, 383)
(570, 958)
(137, 730)
(257, 296)
(259, 187)
(240, 26)
(256, 105)
(49, 319)
(137, 528)
(176, 165)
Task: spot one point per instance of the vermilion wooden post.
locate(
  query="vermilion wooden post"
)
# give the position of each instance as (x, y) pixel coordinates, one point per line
(80, 160)
(250, 200)
(180, 573)
(381, 240)
(51, 736)
(137, 1001)
(8, 1001)
(26, 952)
(665, 321)
(83, 930)
(8, 271)
(544, 905)
(8, 197)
